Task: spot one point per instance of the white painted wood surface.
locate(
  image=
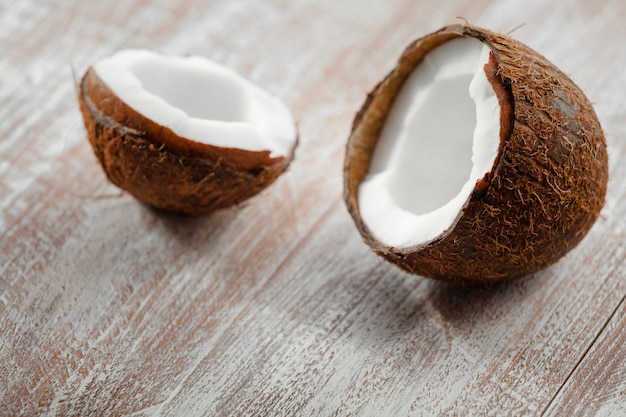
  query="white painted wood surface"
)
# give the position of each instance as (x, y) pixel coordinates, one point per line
(277, 308)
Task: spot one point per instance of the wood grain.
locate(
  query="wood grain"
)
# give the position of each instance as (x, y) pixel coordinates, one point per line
(276, 307)
(598, 385)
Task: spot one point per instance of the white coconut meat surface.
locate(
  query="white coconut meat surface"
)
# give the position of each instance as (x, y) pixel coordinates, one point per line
(441, 136)
(200, 100)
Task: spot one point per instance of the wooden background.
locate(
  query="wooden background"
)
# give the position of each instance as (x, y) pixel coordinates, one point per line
(277, 308)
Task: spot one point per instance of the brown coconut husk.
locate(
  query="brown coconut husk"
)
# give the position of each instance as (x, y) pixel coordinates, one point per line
(545, 190)
(165, 170)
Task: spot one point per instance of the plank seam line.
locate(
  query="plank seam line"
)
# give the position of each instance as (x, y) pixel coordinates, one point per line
(584, 355)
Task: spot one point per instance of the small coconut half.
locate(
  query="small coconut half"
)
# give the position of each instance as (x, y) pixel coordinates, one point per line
(474, 160)
(184, 134)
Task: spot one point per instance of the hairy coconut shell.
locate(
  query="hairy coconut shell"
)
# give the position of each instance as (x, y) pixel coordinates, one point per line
(545, 190)
(165, 170)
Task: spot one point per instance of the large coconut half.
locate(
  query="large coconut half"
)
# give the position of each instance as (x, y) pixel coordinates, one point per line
(184, 134)
(474, 160)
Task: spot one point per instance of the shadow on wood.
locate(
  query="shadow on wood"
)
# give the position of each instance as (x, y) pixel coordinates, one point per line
(185, 229)
(482, 303)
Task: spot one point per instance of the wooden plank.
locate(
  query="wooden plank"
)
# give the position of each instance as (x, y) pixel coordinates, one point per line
(277, 307)
(598, 385)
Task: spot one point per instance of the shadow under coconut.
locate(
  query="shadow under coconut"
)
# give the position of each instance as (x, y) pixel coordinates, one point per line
(407, 307)
(479, 303)
(190, 232)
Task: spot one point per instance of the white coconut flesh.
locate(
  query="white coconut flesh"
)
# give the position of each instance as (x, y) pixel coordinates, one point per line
(441, 136)
(200, 100)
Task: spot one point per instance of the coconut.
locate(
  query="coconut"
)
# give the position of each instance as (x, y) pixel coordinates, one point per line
(184, 134)
(474, 160)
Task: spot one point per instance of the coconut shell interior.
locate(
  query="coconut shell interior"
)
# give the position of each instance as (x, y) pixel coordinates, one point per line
(545, 191)
(164, 170)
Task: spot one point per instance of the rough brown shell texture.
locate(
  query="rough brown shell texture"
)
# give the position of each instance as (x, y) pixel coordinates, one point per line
(545, 190)
(164, 170)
